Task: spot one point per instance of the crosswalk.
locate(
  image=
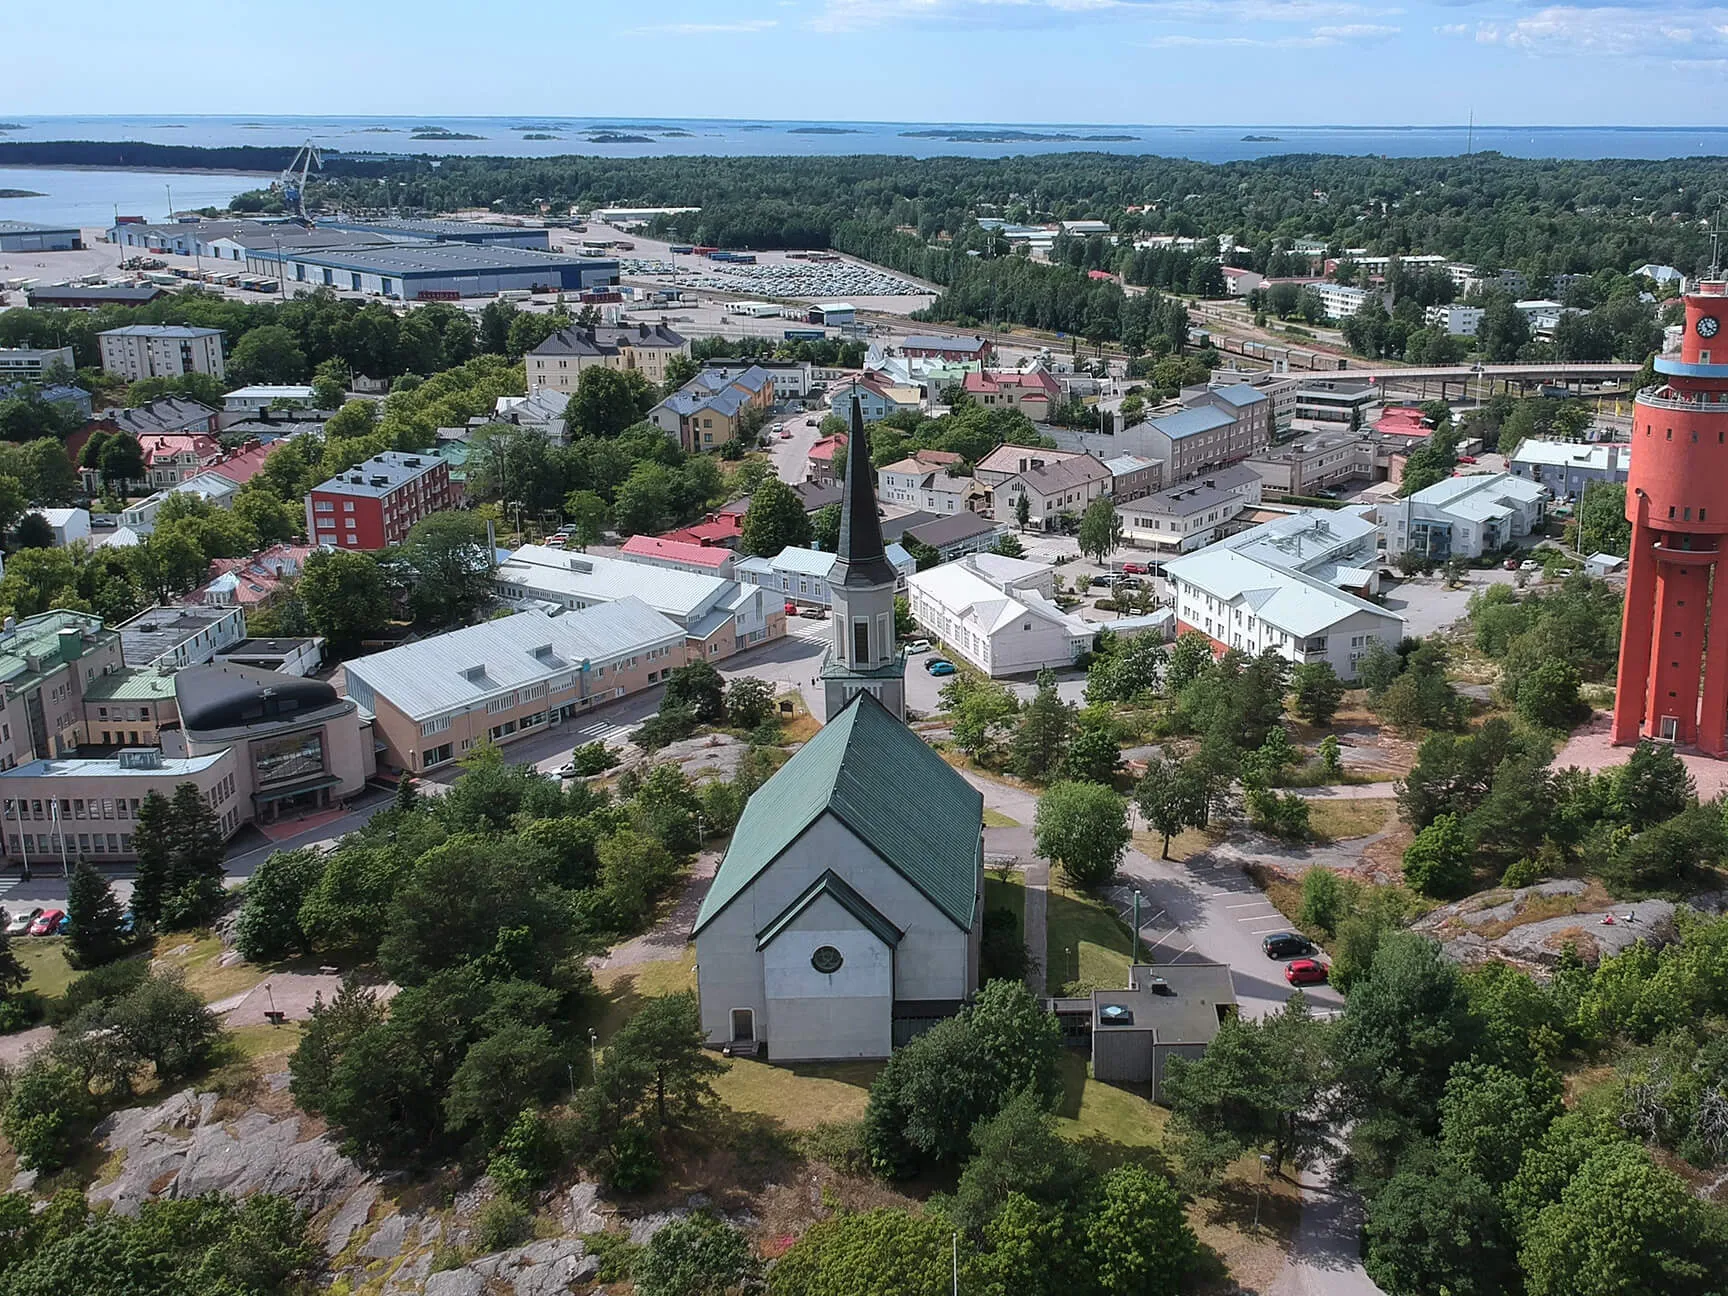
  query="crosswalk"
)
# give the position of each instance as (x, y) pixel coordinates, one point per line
(599, 729)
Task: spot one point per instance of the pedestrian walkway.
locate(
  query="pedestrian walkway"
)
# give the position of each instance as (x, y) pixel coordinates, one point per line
(1034, 924)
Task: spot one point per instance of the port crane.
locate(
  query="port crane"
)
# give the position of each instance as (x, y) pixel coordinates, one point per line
(293, 181)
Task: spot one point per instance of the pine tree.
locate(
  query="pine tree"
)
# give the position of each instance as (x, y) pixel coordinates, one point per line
(197, 868)
(153, 838)
(1045, 727)
(12, 973)
(94, 932)
(407, 794)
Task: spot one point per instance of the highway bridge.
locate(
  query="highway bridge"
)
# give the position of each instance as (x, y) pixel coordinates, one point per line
(1485, 379)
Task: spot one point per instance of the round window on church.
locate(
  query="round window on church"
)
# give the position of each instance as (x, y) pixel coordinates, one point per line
(826, 959)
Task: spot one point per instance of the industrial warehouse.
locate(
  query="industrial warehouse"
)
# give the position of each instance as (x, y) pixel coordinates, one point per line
(410, 260)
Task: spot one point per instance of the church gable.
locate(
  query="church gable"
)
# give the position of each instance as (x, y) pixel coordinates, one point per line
(888, 789)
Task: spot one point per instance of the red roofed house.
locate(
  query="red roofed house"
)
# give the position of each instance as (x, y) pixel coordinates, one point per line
(171, 458)
(820, 464)
(721, 530)
(1031, 392)
(1403, 421)
(242, 465)
(680, 555)
(1101, 276)
(253, 582)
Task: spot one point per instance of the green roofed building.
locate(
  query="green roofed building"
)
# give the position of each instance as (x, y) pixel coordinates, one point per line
(846, 915)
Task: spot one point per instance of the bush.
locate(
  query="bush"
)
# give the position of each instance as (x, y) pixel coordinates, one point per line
(593, 758)
(524, 1157)
(1437, 863)
(695, 1256)
(1521, 873)
(1004, 955)
(48, 1114)
(503, 1223)
(110, 981)
(632, 1163)
(1326, 899)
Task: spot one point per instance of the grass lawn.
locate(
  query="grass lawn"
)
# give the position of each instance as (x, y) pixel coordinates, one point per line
(1106, 1118)
(198, 956)
(1340, 819)
(996, 819)
(624, 988)
(44, 958)
(269, 1046)
(799, 1095)
(1085, 941)
(1006, 892)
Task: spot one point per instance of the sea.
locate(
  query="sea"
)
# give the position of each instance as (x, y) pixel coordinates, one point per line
(91, 197)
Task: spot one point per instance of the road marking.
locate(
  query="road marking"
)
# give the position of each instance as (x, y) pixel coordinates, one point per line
(1255, 918)
(1258, 931)
(1246, 905)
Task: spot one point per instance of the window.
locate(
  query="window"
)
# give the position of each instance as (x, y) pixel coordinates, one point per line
(324, 506)
(290, 757)
(861, 641)
(435, 756)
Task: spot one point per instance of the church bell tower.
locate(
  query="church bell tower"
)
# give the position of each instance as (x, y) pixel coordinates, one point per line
(862, 655)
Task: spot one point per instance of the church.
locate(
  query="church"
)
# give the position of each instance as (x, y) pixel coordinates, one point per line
(847, 913)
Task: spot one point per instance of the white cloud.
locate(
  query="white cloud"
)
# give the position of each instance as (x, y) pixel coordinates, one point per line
(1683, 35)
(853, 15)
(705, 29)
(1318, 38)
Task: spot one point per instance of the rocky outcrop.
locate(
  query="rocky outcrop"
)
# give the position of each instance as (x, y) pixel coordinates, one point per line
(1533, 926)
(548, 1268)
(179, 1149)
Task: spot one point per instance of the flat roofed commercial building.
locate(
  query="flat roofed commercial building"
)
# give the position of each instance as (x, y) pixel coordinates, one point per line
(483, 233)
(29, 364)
(437, 271)
(24, 236)
(1167, 1010)
(719, 616)
(435, 700)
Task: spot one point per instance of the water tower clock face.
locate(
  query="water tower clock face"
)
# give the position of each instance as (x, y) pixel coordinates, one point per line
(1708, 326)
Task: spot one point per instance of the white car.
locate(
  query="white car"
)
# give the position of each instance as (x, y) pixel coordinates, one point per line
(19, 923)
(918, 646)
(1529, 565)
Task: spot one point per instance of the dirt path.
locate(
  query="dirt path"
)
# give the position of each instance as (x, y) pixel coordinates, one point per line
(670, 933)
(1323, 1257)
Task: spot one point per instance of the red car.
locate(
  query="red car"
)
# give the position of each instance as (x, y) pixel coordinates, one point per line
(1135, 569)
(47, 922)
(1301, 972)
(791, 609)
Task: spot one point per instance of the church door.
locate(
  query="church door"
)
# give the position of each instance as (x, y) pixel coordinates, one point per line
(743, 1025)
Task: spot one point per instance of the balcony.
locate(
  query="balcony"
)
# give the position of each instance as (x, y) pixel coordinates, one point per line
(1667, 398)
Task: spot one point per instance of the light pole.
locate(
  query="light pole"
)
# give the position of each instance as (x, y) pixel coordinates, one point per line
(593, 1052)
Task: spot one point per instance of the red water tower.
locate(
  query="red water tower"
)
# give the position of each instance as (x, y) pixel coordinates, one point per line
(1677, 502)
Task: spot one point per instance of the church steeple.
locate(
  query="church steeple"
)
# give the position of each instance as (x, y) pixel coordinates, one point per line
(863, 557)
(862, 657)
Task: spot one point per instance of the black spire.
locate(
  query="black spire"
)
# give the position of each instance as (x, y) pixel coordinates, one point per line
(863, 560)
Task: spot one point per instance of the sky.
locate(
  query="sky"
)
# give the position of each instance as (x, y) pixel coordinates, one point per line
(1144, 62)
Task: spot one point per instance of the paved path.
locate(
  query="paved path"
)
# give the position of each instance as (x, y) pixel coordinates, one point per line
(670, 933)
(1034, 925)
(1323, 1259)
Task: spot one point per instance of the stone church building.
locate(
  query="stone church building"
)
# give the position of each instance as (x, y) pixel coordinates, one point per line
(847, 912)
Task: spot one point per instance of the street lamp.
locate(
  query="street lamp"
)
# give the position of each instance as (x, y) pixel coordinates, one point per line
(593, 1054)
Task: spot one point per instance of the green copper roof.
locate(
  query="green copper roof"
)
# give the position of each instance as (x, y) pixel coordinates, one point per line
(882, 782)
(832, 884)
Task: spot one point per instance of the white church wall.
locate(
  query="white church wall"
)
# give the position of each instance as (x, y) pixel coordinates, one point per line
(843, 1014)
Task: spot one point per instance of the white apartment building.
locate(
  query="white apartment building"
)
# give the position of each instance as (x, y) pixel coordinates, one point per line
(1341, 300)
(1457, 320)
(995, 612)
(1287, 585)
(1464, 516)
(161, 351)
(923, 486)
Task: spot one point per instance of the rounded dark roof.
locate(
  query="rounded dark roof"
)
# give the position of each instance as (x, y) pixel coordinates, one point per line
(231, 697)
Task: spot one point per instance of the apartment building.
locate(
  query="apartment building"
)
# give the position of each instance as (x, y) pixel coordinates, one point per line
(1008, 461)
(372, 505)
(46, 663)
(714, 408)
(1051, 490)
(1568, 468)
(1252, 408)
(1317, 462)
(173, 458)
(558, 362)
(997, 614)
(1456, 319)
(161, 351)
(170, 414)
(923, 481)
(1299, 585)
(1464, 516)
(32, 364)
(502, 680)
(1032, 392)
(1192, 441)
(1193, 514)
(801, 575)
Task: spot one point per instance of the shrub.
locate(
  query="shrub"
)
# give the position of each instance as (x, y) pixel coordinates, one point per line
(503, 1223)
(632, 1163)
(1521, 873)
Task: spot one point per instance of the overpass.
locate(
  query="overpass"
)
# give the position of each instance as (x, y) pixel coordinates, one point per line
(1485, 379)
